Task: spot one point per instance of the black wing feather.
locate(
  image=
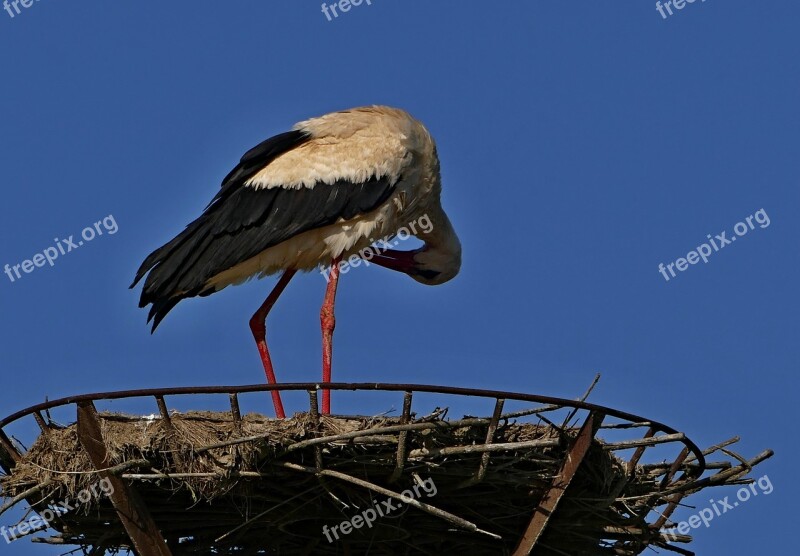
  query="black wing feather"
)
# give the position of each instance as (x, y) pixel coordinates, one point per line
(252, 162)
(242, 221)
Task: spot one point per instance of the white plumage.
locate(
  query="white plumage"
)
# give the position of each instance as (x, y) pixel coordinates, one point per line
(322, 192)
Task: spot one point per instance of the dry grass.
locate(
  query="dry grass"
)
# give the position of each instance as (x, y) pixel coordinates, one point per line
(262, 497)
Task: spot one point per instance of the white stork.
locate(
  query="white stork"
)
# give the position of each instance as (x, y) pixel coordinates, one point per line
(309, 197)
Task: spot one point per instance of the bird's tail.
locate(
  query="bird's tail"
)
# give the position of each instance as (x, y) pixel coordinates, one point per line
(162, 269)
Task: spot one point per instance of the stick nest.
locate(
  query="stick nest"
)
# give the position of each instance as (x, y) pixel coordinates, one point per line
(211, 492)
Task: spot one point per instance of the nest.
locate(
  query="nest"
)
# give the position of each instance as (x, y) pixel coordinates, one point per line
(254, 485)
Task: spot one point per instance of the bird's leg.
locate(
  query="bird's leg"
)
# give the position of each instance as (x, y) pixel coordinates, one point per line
(258, 325)
(328, 322)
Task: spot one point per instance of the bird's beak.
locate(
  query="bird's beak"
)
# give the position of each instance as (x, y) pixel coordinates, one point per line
(401, 261)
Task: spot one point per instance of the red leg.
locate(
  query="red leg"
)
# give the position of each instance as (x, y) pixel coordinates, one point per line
(328, 321)
(258, 326)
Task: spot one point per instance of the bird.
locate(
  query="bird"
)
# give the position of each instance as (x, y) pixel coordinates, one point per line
(319, 194)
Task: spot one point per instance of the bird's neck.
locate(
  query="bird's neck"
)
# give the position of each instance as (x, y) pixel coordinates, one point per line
(442, 237)
(442, 248)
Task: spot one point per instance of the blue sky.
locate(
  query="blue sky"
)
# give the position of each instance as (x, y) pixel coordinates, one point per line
(582, 144)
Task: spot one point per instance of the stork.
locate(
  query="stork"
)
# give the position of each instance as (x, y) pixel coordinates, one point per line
(319, 194)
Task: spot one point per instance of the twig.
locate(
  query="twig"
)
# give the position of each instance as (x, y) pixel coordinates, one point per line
(582, 399)
(22, 496)
(113, 470)
(451, 518)
(348, 435)
(262, 514)
(481, 448)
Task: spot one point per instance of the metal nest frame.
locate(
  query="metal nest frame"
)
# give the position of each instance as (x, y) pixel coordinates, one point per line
(675, 480)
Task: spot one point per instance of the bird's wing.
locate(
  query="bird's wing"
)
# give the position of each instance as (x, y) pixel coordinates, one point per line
(244, 219)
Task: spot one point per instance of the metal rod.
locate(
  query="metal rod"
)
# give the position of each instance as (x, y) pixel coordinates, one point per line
(162, 409)
(569, 467)
(451, 390)
(134, 515)
(236, 413)
(498, 410)
(41, 422)
(9, 456)
(402, 441)
(674, 468)
(637, 455)
(312, 397)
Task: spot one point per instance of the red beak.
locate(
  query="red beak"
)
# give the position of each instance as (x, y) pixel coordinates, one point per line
(400, 261)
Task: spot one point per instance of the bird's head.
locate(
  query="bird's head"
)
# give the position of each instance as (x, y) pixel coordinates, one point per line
(436, 262)
(433, 267)
(426, 265)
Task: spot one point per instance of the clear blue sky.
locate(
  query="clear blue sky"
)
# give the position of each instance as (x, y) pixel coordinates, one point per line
(582, 144)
